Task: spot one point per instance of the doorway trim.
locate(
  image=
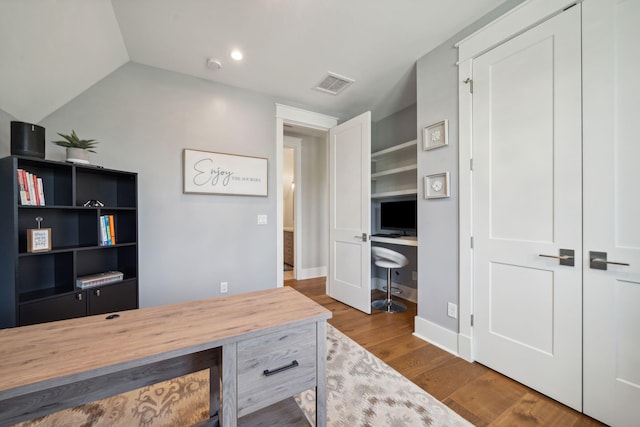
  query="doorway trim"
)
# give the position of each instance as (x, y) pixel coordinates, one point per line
(296, 144)
(300, 117)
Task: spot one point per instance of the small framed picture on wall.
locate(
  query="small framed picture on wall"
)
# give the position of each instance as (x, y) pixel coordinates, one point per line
(435, 135)
(436, 186)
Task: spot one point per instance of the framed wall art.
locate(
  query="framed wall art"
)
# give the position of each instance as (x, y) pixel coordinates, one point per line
(436, 186)
(435, 135)
(208, 172)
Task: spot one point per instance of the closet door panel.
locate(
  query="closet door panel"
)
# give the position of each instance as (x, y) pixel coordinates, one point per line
(611, 210)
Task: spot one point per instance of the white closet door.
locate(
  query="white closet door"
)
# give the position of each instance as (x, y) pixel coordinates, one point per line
(350, 212)
(527, 203)
(611, 73)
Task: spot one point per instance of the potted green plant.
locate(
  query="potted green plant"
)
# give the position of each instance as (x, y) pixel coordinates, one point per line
(77, 149)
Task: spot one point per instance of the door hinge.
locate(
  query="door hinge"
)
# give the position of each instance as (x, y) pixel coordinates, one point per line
(472, 320)
(470, 164)
(471, 241)
(469, 81)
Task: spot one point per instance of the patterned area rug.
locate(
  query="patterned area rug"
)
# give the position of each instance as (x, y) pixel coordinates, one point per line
(361, 391)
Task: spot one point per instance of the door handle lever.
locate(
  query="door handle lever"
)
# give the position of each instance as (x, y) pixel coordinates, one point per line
(598, 261)
(566, 257)
(364, 237)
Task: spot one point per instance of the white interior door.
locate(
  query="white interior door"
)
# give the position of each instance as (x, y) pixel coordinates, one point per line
(350, 212)
(527, 203)
(612, 210)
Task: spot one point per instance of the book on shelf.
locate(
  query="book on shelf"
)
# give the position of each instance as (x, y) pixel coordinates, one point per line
(30, 189)
(107, 230)
(99, 279)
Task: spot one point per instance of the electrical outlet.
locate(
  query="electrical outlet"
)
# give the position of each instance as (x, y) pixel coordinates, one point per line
(452, 310)
(262, 219)
(414, 275)
(224, 287)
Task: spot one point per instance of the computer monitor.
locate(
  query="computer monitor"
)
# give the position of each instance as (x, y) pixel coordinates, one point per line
(398, 215)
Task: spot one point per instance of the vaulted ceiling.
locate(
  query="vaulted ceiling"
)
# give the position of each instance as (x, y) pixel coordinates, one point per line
(51, 51)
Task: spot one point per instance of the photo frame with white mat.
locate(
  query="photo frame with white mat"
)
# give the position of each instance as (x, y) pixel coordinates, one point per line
(435, 135)
(436, 186)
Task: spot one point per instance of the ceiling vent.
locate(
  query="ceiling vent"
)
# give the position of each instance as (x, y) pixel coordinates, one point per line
(334, 83)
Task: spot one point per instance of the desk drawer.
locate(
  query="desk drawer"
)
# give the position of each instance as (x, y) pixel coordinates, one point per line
(271, 352)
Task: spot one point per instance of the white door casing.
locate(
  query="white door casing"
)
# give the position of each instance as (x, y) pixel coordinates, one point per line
(296, 116)
(612, 210)
(526, 203)
(350, 212)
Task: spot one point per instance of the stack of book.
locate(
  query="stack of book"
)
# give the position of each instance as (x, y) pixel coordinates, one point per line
(107, 230)
(30, 189)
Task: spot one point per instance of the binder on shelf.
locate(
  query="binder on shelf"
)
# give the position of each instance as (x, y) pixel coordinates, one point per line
(107, 231)
(99, 279)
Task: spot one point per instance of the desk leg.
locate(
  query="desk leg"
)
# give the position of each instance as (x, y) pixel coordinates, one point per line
(229, 410)
(214, 385)
(321, 374)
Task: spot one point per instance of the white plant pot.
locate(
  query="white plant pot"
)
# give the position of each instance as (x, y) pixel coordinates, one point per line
(77, 155)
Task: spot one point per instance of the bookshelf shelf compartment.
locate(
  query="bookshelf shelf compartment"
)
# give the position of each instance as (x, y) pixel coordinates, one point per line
(41, 286)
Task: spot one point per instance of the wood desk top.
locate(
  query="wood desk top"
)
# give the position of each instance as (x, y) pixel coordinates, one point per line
(37, 357)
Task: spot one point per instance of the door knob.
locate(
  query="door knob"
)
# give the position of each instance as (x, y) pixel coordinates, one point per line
(598, 261)
(565, 257)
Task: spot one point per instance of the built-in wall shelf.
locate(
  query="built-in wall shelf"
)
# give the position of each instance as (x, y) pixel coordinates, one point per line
(394, 193)
(402, 169)
(395, 148)
(394, 171)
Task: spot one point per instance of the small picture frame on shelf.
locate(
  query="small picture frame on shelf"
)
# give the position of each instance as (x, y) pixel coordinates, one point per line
(435, 135)
(38, 239)
(436, 186)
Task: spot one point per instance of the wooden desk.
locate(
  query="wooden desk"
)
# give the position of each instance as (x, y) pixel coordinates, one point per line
(53, 366)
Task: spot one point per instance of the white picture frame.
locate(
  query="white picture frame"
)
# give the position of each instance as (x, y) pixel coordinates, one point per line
(435, 135)
(436, 186)
(207, 172)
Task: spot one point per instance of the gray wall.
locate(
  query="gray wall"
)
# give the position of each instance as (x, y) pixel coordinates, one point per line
(144, 117)
(315, 202)
(5, 133)
(437, 99)
(394, 129)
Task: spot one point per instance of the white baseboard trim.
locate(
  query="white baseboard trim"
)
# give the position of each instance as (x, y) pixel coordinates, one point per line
(464, 347)
(436, 335)
(408, 293)
(311, 273)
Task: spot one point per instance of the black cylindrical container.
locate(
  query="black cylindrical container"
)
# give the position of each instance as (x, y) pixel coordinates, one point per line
(27, 140)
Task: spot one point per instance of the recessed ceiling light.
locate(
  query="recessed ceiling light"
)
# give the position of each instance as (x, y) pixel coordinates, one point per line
(236, 54)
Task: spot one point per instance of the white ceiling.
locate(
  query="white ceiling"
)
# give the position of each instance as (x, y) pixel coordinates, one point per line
(53, 50)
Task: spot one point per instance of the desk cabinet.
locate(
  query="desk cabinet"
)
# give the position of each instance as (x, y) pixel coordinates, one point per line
(105, 299)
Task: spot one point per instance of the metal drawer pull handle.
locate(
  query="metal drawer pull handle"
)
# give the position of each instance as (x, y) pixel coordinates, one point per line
(293, 364)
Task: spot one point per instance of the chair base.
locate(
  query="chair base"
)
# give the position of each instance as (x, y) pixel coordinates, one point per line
(394, 290)
(389, 306)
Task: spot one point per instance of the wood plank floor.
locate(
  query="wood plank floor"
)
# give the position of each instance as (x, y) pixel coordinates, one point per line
(479, 394)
